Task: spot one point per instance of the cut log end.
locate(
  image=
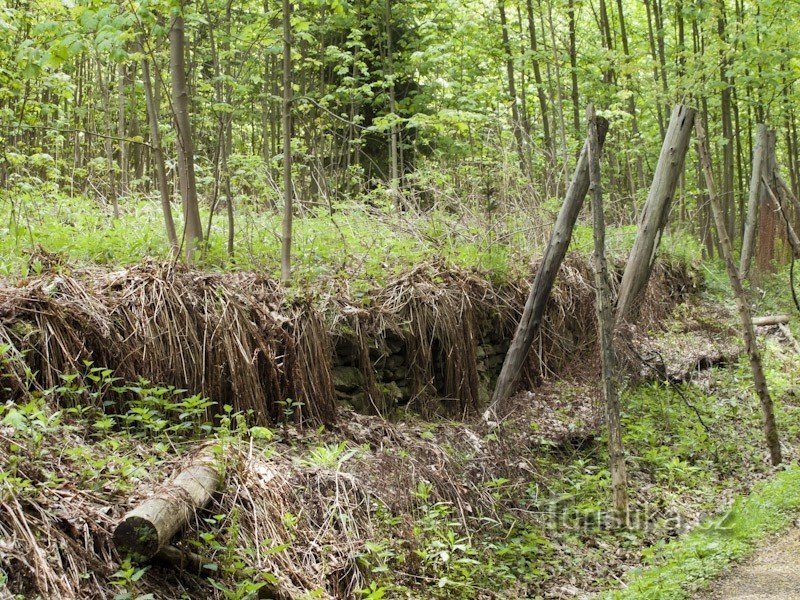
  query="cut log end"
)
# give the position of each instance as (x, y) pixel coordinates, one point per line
(138, 537)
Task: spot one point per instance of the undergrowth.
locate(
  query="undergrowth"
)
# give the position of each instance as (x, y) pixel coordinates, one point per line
(361, 246)
(531, 538)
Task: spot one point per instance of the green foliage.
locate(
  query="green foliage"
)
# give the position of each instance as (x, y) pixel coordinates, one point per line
(684, 565)
(364, 247)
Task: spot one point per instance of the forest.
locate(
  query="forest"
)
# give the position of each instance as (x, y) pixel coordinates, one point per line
(366, 299)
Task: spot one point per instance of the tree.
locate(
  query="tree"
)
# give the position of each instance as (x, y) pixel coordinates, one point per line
(286, 112)
(193, 229)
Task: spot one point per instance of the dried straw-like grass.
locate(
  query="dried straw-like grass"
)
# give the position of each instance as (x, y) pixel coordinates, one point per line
(224, 337)
(305, 522)
(237, 339)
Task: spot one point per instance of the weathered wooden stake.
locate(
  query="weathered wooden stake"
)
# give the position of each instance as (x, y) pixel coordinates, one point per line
(656, 209)
(548, 269)
(760, 382)
(751, 221)
(605, 321)
(150, 526)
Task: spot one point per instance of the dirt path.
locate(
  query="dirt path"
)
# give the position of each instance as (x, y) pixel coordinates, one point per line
(773, 572)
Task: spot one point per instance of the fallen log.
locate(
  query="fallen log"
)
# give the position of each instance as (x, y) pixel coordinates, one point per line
(150, 527)
(768, 320)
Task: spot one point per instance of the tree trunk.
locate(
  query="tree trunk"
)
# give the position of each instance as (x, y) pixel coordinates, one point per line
(751, 222)
(122, 131)
(108, 146)
(545, 276)
(512, 90)
(394, 184)
(537, 77)
(286, 118)
(158, 157)
(728, 203)
(656, 209)
(748, 332)
(654, 57)
(193, 229)
(152, 524)
(573, 68)
(605, 323)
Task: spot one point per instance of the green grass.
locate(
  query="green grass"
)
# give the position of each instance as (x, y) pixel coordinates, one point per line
(688, 563)
(367, 245)
(360, 246)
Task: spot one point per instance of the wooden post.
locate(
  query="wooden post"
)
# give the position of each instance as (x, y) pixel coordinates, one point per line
(548, 269)
(751, 222)
(656, 209)
(150, 526)
(748, 331)
(605, 323)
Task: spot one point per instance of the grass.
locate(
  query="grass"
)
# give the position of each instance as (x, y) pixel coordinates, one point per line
(684, 566)
(367, 243)
(361, 246)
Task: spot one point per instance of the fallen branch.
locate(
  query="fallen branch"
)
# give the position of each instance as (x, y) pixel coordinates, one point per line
(768, 320)
(150, 527)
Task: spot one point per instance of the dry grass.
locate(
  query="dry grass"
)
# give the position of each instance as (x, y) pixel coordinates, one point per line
(239, 340)
(283, 511)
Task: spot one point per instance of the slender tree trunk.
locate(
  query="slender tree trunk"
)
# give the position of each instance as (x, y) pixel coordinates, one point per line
(512, 90)
(193, 229)
(158, 156)
(608, 44)
(122, 130)
(107, 144)
(286, 114)
(537, 77)
(748, 332)
(728, 202)
(559, 87)
(573, 68)
(654, 56)
(751, 222)
(605, 322)
(394, 185)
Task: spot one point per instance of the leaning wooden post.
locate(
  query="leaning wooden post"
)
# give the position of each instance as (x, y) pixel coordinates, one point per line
(760, 382)
(548, 269)
(150, 526)
(605, 322)
(751, 221)
(656, 209)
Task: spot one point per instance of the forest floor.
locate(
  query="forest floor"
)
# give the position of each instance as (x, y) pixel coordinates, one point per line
(772, 572)
(414, 506)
